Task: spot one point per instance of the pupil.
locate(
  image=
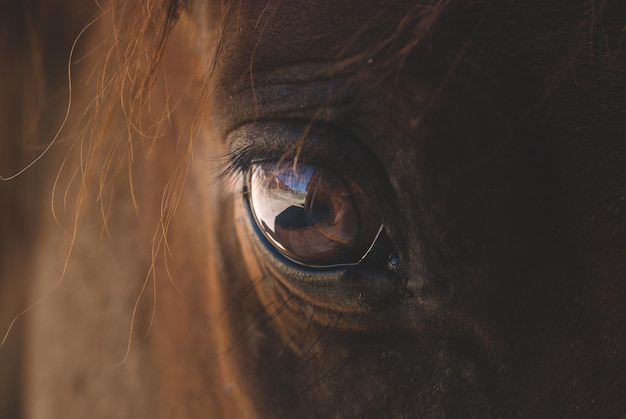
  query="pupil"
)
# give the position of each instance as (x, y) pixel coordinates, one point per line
(318, 212)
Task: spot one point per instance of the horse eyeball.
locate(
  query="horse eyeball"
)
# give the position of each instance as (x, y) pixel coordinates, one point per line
(311, 215)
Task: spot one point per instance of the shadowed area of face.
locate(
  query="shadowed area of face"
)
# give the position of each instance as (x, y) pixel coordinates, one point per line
(425, 217)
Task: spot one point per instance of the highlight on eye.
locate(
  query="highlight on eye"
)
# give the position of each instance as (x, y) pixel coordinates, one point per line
(311, 215)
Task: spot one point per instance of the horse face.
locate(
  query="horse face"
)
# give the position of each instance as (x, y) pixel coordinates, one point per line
(437, 115)
(426, 217)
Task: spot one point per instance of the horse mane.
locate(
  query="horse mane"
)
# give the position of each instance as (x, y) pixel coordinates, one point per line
(40, 48)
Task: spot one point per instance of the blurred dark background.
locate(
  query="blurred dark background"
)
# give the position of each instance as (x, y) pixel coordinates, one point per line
(35, 42)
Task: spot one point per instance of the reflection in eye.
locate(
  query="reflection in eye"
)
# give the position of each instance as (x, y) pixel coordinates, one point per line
(312, 215)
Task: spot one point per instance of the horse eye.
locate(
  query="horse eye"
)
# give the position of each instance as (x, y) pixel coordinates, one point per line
(311, 215)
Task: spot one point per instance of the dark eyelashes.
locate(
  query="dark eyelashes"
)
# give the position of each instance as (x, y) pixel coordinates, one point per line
(257, 143)
(234, 164)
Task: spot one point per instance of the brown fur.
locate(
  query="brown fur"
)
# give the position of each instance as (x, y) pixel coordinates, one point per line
(146, 294)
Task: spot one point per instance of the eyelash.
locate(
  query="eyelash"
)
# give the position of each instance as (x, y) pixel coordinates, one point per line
(233, 166)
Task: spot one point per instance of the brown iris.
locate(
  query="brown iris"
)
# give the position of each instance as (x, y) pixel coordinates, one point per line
(311, 215)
